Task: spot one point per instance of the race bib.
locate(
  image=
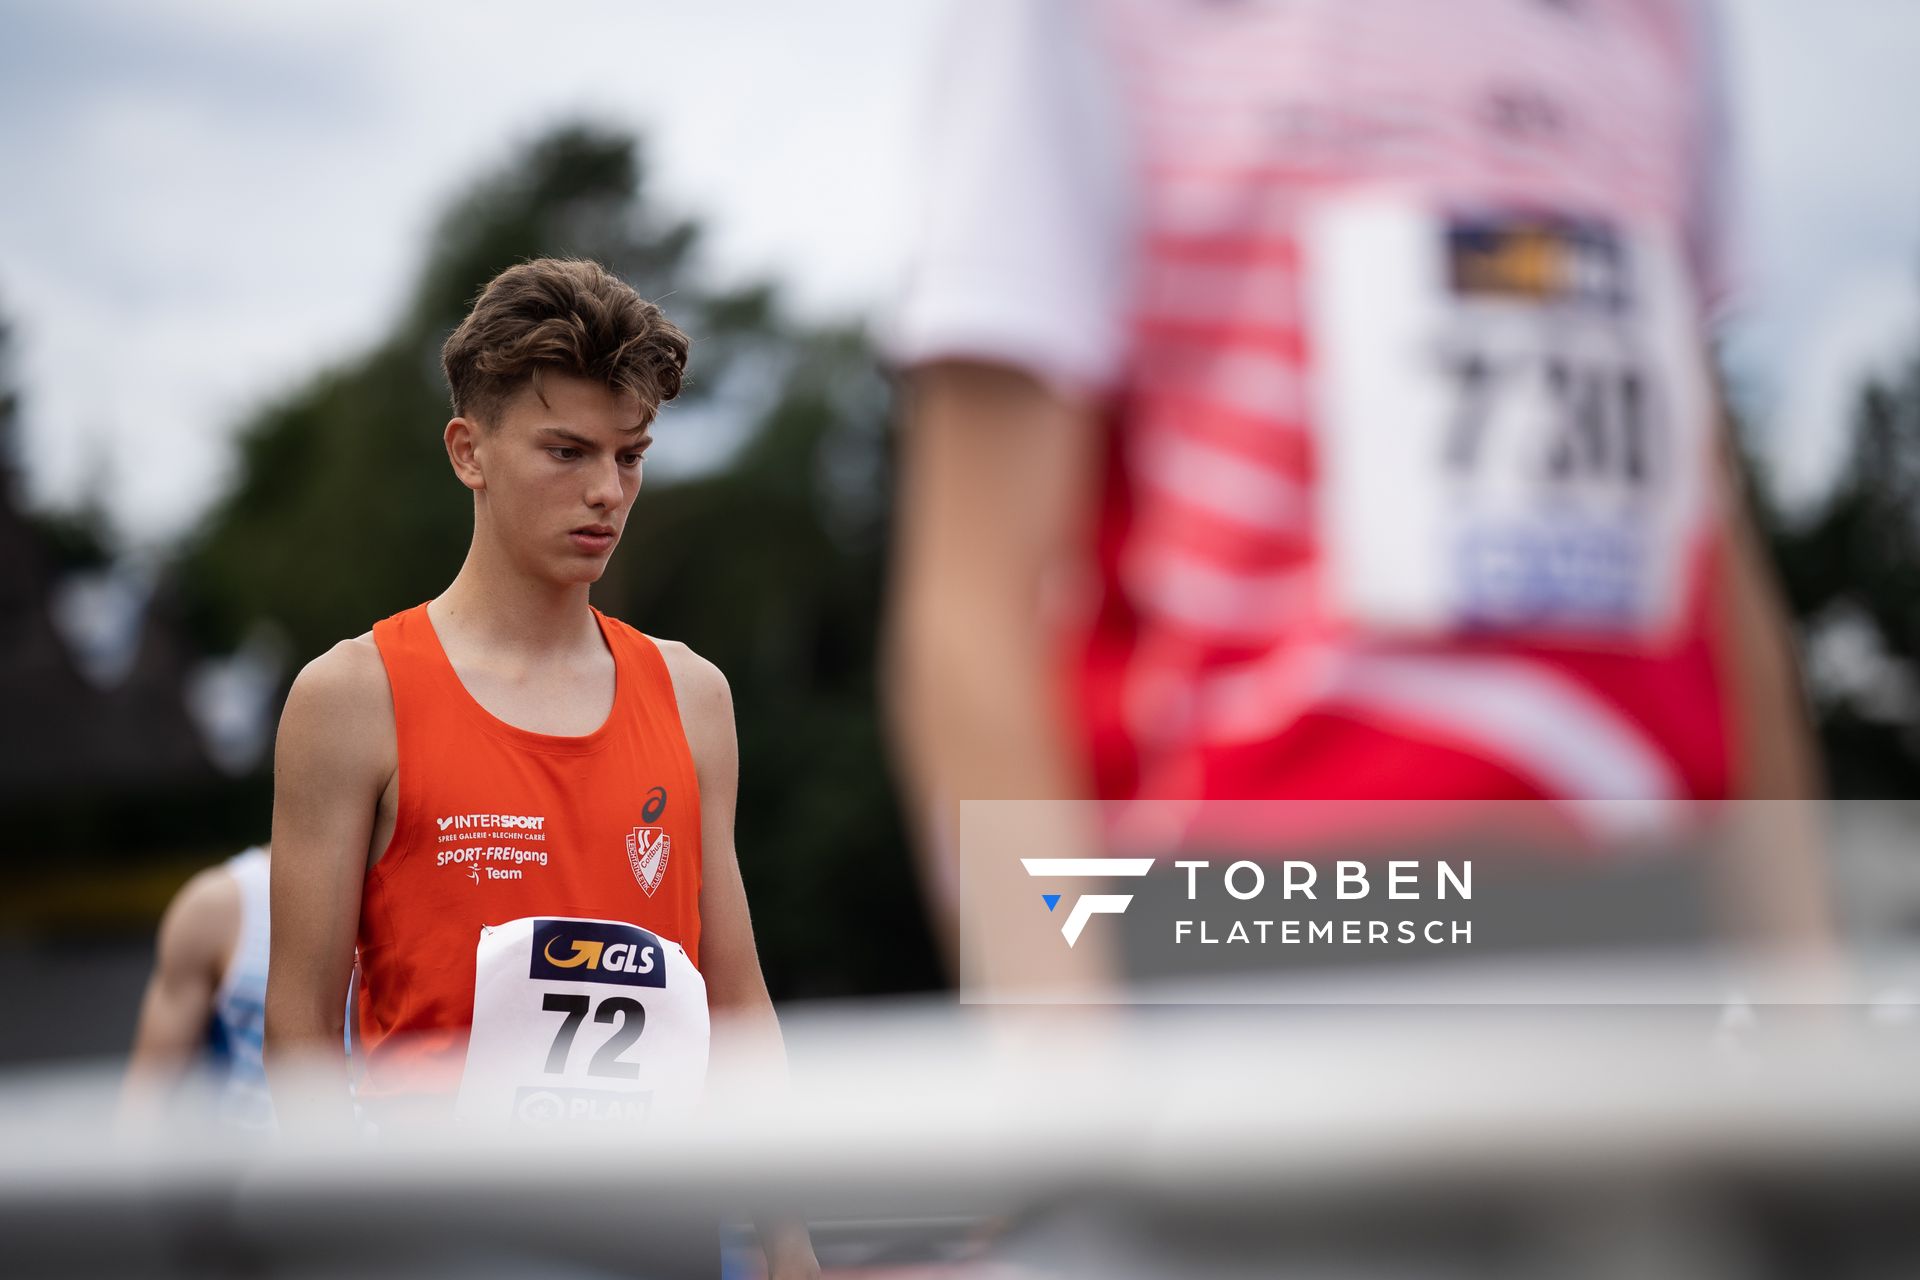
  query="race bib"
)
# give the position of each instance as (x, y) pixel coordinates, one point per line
(1515, 424)
(585, 1025)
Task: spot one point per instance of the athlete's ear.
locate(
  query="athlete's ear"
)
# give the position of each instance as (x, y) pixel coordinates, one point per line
(463, 438)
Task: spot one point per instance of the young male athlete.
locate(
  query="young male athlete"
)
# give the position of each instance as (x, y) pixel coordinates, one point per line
(205, 1003)
(1334, 375)
(520, 809)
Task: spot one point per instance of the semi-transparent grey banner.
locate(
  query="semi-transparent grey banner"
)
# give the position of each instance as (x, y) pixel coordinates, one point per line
(1365, 903)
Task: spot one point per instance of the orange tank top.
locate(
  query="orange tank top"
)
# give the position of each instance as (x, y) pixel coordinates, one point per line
(495, 823)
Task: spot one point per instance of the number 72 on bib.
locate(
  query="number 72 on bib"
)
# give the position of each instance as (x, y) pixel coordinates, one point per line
(582, 1024)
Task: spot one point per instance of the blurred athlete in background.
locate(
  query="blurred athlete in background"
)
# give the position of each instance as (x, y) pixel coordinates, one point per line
(205, 1006)
(1311, 401)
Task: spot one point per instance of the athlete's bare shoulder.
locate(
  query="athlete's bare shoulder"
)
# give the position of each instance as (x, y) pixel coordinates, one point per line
(697, 683)
(705, 699)
(354, 658)
(197, 932)
(343, 694)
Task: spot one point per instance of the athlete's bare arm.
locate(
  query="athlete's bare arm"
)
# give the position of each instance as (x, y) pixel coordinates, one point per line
(195, 944)
(1780, 890)
(333, 770)
(729, 961)
(728, 958)
(995, 494)
(1774, 744)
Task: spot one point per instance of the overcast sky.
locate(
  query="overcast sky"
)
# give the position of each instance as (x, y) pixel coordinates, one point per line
(205, 201)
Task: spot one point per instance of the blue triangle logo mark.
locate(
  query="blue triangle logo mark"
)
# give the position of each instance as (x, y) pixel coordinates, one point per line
(1051, 899)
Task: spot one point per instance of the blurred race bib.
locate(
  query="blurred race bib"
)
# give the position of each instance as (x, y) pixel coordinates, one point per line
(582, 1025)
(1515, 425)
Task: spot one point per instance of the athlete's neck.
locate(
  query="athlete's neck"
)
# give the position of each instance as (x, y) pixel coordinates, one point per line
(512, 615)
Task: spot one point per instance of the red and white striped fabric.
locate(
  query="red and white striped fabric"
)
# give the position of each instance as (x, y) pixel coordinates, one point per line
(1122, 200)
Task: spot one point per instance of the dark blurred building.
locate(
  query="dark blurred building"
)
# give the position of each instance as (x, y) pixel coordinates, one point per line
(63, 734)
(102, 775)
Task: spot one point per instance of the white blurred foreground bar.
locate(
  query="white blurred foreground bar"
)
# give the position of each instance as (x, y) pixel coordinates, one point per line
(1177, 1142)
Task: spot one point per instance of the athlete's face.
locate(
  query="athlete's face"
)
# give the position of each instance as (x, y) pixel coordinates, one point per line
(556, 479)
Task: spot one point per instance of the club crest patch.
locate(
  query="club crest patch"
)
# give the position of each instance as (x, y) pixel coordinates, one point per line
(647, 850)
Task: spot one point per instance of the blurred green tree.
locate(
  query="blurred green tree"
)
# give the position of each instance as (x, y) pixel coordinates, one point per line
(9, 401)
(68, 538)
(343, 510)
(1851, 571)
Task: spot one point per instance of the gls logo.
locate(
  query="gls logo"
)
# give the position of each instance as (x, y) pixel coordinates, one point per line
(1090, 904)
(618, 958)
(597, 951)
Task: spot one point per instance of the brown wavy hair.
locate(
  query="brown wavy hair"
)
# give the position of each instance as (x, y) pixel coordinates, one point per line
(561, 315)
